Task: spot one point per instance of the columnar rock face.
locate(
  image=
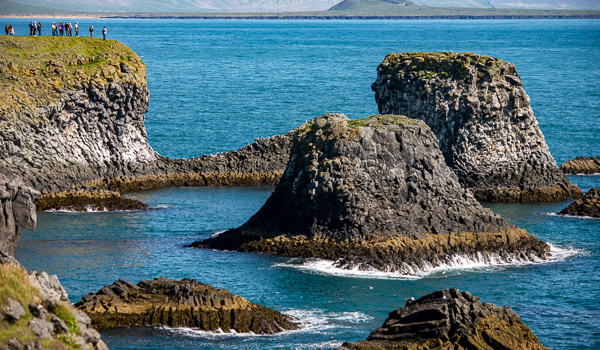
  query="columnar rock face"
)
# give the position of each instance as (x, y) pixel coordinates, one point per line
(479, 111)
(376, 192)
(17, 210)
(582, 165)
(589, 205)
(185, 303)
(450, 319)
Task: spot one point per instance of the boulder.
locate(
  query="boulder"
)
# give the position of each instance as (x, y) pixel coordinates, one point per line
(450, 319)
(588, 206)
(375, 193)
(185, 303)
(479, 111)
(582, 166)
(13, 311)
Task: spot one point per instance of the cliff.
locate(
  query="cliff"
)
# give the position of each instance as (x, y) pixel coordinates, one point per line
(588, 206)
(185, 303)
(479, 111)
(374, 193)
(581, 166)
(450, 319)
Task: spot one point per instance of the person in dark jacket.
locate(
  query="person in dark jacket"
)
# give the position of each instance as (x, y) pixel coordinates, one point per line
(92, 31)
(6, 29)
(104, 31)
(39, 28)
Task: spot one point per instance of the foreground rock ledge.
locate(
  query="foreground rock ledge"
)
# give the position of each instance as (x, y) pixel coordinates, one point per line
(450, 319)
(588, 206)
(581, 165)
(375, 193)
(185, 303)
(478, 109)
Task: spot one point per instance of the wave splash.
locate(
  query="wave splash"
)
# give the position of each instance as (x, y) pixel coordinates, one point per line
(456, 262)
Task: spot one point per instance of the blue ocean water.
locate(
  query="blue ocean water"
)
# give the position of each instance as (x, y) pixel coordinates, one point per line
(217, 85)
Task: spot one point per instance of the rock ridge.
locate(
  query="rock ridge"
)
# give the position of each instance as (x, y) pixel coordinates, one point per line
(478, 109)
(581, 165)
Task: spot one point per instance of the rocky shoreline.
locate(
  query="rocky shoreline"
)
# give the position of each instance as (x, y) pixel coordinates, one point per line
(582, 166)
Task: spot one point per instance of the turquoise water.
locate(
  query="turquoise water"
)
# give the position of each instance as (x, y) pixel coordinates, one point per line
(211, 92)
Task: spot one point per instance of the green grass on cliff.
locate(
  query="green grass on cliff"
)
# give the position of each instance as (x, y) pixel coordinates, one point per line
(34, 71)
(380, 120)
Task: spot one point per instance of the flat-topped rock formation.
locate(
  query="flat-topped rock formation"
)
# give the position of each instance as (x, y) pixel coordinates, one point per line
(581, 165)
(185, 303)
(375, 193)
(95, 200)
(450, 319)
(588, 206)
(479, 111)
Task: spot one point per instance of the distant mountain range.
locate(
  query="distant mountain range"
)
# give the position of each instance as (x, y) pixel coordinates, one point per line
(248, 6)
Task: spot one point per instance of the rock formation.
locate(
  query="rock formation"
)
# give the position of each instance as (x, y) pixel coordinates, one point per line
(589, 205)
(479, 111)
(185, 303)
(450, 319)
(17, 210)
(375, 193)
(98, 200)
(582, 165)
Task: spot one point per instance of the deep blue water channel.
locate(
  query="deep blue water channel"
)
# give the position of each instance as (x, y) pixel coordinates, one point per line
(217, 85)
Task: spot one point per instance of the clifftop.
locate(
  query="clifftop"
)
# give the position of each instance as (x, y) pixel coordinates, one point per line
(35, 71)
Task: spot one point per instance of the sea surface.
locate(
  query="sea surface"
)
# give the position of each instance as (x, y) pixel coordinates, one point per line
(216, 85)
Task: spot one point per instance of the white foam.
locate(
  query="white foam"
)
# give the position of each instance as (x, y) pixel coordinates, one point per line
(453, 263)
(572, 216)
(216, 234)
(88, 209)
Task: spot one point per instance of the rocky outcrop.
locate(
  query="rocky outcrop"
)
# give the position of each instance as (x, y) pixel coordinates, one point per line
(35, 314)
(588, 206)
(98, 200)
(185, 303)
(582, 166)
(375, 194)
(479, 111)
(17, 210)
(450, 319)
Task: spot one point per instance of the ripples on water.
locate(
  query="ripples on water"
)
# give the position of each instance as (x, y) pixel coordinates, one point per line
(210, 92)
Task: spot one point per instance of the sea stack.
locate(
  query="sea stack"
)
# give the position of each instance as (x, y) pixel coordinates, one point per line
(479, 111)
(450, 319)
(185, 303)
(375, 193)
(588, 206)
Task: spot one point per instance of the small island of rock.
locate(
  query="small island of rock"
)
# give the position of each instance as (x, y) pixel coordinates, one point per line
(581, 166)
(375, 193)
(479, 111)
(450, 319)
(185, 303)
(588, 206)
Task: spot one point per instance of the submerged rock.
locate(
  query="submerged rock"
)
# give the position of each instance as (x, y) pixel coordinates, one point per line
(185, 303)
(589, 205)
(582, 165)
(478, 109)
(375, 193)
(450, 319)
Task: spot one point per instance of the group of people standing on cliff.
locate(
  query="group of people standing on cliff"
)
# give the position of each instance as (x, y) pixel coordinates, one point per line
(62, 29)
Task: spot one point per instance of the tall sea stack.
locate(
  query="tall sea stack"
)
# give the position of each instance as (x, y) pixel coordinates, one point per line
(375, 194)
(479, 111)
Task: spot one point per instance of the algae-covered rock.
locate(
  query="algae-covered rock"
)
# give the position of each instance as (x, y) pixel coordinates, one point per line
(588, 206)
(99, 200)
(450, 319)
(582, 165)
(185, 303)
(479, 111)
(375, 193)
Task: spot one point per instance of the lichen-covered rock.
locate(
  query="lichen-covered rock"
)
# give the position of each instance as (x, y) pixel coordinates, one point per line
(17, 210)
(376, 193)
(185, 303)
(478, 109)
(450, 319)
(582, 165)
(588, 206)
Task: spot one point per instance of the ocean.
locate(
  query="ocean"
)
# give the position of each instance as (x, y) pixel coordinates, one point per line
(216, 85)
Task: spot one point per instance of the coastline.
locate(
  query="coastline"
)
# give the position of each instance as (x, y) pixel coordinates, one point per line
(318, 18)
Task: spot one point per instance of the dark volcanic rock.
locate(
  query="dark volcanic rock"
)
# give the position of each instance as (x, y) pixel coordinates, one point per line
(582, 165)
(185, 303)
(589, 205)
(17, 210)
(478, 108)
(99, 200)
(374, 192)
(450, 319)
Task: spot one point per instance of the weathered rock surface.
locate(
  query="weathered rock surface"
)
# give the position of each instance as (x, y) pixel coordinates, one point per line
(82, 200)
(17, 210)
(582, 165)
(450, 319)
(374, 193)
(185, 303)
(478, 109)
(589, 205)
